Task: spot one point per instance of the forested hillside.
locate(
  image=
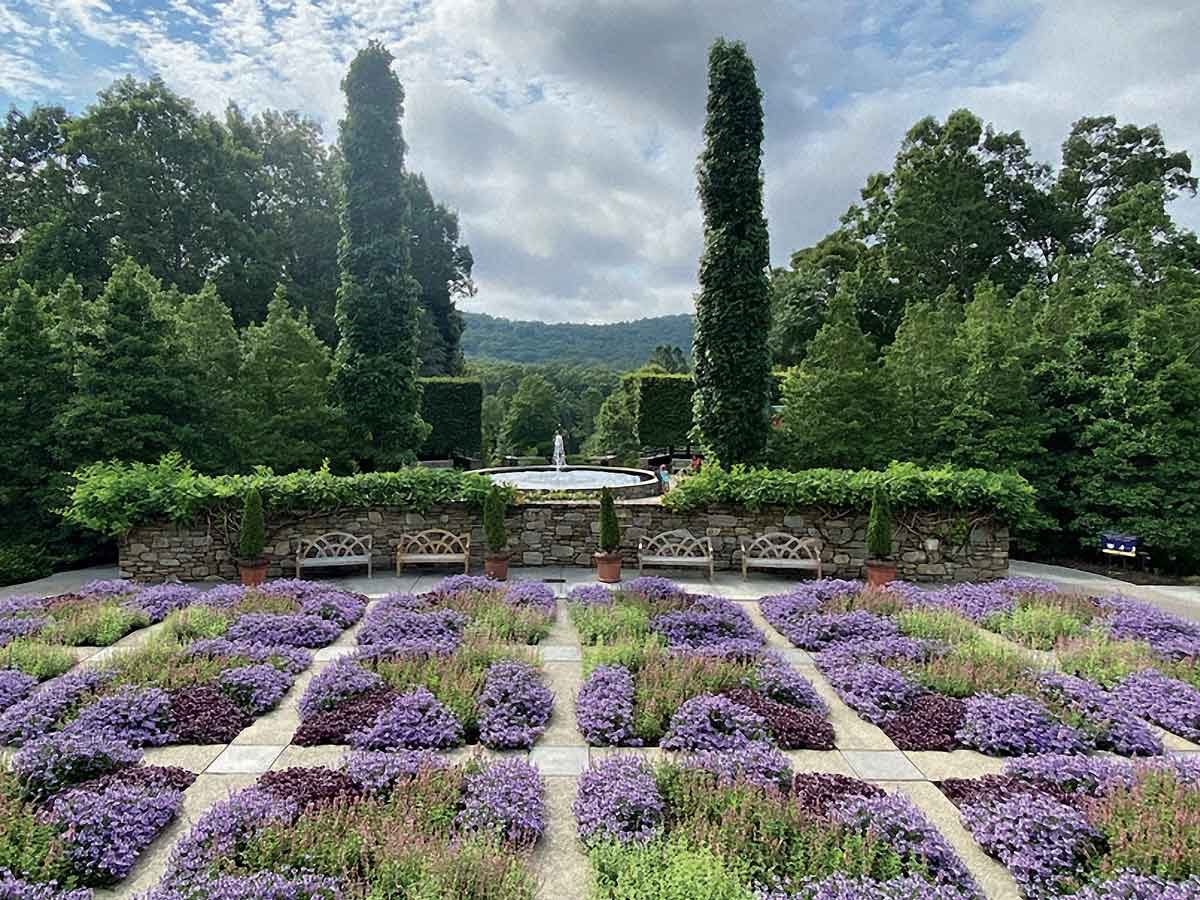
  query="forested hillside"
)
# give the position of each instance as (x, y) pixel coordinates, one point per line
(620, 345)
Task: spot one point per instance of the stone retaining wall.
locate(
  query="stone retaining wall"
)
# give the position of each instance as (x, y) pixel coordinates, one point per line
(564, 533)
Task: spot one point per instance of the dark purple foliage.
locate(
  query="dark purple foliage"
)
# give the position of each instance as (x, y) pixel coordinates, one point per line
(604, 708)
(713, 722)
(205, 715)
(995, 788)
(149, 777)
(618, 799)
(354, 714)
(416, 720)
(308, 787)
(514, 706)
(506, 799)
(818, 792)
(791, 728)
(930, 722)
(341, 679)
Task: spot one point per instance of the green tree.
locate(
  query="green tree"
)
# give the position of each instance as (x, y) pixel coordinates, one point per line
(378, 299)
(442, 266)
(285, 416)
(33, 386)
(131, 391)
(616, 430)
(922, 366)
(670, 359)
(834, 409)
(733, 311)
(531, 418)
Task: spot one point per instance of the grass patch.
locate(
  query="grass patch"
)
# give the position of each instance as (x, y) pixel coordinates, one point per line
(91, 624)
(41, 660)
(976, 668)
(928, 623)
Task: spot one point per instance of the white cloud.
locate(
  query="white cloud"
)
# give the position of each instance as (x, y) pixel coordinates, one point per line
(566, 133)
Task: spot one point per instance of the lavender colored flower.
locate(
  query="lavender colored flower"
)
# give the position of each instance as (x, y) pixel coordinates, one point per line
(506, 799)
(514, 706)
(894, 819)
(416, 720)
(48, 765)
(161, 600)
(843, 887)
(618, 799)
(357, 713)
(653, 587)
(106, 589)
(453, 585)
(14, 686)
(713, 722)
(376, 772)
(777, 679)
(791, 727)
(1131, 620)
(875, 692)
(41, 710)
(292, 660)
(1132, 886)
(974, 601)
(106, 832)
(13, 888)
(223, 596)
(1040, 840)
(339, 680)
(258, 687)
(397, 627)
(821, 630)
(263, 886)
(1114, 726)
(707, 621)
(884, 650)
(590, 595)
(783, 611)
(141, 717)
(339, 607)
(295, 630)
(530, 594)
(1016, 725)
(295, 588)
(1167, 702)
(12, 628)
(1083, 774)
(757, 762)
(19, 604)
(604, 708)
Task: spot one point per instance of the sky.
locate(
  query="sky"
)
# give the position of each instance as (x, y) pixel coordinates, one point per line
(565, 132)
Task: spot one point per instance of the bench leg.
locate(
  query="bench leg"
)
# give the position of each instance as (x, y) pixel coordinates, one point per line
(369, 575)
(399, 566)
(467, 566)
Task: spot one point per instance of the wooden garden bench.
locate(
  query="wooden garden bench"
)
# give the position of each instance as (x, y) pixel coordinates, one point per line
(335, 548)
(676, 548)
(776, 550)
(434, 546)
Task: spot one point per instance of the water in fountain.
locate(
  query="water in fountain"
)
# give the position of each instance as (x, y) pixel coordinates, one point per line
(560, 453)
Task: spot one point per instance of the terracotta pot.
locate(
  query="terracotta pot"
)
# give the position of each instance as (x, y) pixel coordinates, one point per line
(253, 572)
(496, 567)
(880, 572)
(608, 567)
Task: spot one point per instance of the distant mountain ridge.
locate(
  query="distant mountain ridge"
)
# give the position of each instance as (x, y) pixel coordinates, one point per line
(619, 345)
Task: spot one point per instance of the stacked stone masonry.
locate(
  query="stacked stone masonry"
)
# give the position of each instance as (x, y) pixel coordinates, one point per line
(565, 533)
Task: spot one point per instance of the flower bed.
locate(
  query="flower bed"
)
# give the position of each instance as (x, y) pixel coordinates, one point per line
(1090, 828)
(433, 672)
(386, 825)
(35, 631)
(227, 658)
(78, 810)
(687, 673)
(738, 826)
(914, 664)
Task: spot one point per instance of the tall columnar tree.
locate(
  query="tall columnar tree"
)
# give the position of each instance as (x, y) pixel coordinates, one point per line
(378, 306)
(733, 310)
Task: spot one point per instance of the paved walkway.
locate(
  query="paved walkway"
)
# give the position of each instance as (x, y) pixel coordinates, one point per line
(561, 755)
(1180, 600)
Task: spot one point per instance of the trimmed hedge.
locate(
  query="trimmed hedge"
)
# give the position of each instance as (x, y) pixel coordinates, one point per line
(113, 497)
(1005, 495)
(454, 407)
(665, 410)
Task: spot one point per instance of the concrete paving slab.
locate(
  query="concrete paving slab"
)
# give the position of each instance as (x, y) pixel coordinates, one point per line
(244, 759)
(936, 765)
(559, 761)
(560, 652)
(61, 582)
(828, 762)
(562, 868)
(882, 765)
(193, 757)
(329, 755)
(564, 679)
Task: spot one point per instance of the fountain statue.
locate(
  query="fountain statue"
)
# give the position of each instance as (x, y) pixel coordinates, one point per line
(560, 453)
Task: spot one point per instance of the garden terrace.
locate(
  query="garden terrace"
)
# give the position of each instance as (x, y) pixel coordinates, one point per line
(912, 663)
(225, 659)
(737, 826)
(383, 825)
(438, 671)
(1089, 828)
(685, 672)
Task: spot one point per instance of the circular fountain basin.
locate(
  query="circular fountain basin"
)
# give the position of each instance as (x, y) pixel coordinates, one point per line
(624, 483)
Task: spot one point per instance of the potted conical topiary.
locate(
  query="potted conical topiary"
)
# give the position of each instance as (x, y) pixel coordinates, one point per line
(495, 563)
(608, 559)
(881, 564)
(252, 540)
